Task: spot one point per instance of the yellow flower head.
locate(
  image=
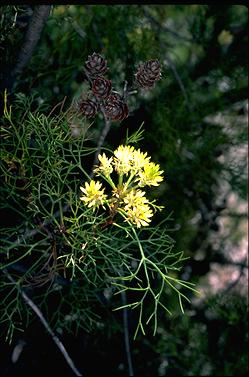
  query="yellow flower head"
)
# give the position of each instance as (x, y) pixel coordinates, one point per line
(93, 194)
(136, 208)
(126, 198)
(150, 175)
(135, 197)
(123, 158)
(139, 160)
(105, 166)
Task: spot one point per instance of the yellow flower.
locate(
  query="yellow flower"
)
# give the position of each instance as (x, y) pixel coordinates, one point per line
(129, 201)
(134, 197)
(137, 209)
(139, 160)
(123, 159)
(105, 166)
(150, 175)
(93, 194)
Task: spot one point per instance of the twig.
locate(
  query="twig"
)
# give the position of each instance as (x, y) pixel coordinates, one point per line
(58, 104)
(132, 92)
(107, 125)
(105, 129)
(38, 19)
(101, 140)
(63, 103)
(125, 90)
(126, 335)
(39, 314)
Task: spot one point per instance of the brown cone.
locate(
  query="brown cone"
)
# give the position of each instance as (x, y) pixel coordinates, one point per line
(114, 96)
(96, 65)
(148, 73)
(88, 108)
(115, 108)
(101, 87)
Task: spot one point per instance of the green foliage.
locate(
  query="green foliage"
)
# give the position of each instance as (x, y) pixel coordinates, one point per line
(56, 240)
(201, 341)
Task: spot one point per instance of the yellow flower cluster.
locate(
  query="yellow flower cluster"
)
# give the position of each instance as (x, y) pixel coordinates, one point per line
(93, 194)
(134, 170)
(137, 208)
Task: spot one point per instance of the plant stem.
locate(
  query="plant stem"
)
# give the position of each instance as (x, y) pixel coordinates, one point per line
(143, 259)
(39, 314)
(126, 335)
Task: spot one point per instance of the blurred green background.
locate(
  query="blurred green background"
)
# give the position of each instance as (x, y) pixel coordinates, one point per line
(196, 128)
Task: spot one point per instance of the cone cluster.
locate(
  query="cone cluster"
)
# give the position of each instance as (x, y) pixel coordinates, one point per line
(113, 104)
(103, 96)
(148, 73)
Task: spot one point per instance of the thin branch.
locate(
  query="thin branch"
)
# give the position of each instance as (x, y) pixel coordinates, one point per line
(107, 125)
(105, 129)
(37, 22)
(126, 335)
(101, 139)
(125, 90)
(58, 104)
(39, 314)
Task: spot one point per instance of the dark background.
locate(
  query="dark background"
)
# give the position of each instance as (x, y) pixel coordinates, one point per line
(195, 122)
